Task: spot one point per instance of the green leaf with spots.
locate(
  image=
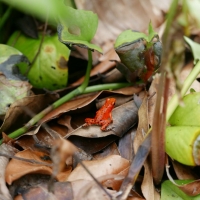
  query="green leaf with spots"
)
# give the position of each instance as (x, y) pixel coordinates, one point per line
(78, 27)
(50, 69)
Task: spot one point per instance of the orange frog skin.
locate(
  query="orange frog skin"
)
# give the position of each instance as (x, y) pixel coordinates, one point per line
(103, 116)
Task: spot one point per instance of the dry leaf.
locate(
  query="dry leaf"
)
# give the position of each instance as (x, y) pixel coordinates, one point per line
(124, 117)
(148, 188)
(113, 164)
(62, 191)
(184, 172)
(108, 151)
(19, 112)
(61, 151)
(18, 168)
(125, 145)
(10, 151)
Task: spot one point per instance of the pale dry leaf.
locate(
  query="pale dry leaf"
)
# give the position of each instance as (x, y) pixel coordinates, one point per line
(113, 164)
(152, 101)
(148, 188)
(61, 151)
(81, 190)
(10, 151)
(142, 125)
(65, 120)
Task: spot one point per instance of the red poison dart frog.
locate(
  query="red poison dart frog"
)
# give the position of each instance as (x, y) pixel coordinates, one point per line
(103, 116)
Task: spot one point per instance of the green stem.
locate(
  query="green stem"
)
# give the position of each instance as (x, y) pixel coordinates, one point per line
(80, 90)
(56, 104)
(174, 102)
(110, 86)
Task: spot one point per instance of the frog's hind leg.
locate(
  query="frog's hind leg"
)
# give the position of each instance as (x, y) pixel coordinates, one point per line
(105, 124)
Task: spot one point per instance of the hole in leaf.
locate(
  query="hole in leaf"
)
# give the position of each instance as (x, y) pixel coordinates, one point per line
(74, 30)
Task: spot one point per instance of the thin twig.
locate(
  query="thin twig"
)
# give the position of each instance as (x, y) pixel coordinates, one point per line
(26, 160)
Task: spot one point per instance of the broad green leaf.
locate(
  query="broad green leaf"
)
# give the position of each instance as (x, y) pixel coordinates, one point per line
(195, 47)
(187, 115)
(169, 191)
(182, 144)
(129, 36)
(41, 9)
(50, 69)
(78, 28)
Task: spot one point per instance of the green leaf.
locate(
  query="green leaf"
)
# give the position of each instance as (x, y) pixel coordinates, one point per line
(50, 69)
(78, 28)
(130, 36)
(152, 33)
(181, 144)
(195, 47)
(9, 57)
(172, 192)
(11, 86)
(193, 7)
(51, 8)
(127, 37)
(187, 115)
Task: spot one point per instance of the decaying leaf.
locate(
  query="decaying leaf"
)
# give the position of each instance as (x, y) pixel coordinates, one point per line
(10, 91)
(19, 110)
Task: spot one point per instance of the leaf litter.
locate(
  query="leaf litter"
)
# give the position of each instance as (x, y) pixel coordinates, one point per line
(107, 155)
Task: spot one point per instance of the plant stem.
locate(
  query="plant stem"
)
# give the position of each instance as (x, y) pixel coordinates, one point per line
(110, 86)
(175, 100)
(56, 104)
(82, 89)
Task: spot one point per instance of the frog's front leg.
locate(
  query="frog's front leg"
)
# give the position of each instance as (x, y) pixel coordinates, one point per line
(89, 121)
